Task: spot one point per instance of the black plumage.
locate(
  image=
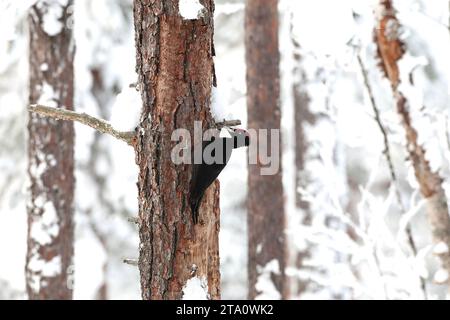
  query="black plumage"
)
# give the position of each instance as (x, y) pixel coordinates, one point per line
(216, 154)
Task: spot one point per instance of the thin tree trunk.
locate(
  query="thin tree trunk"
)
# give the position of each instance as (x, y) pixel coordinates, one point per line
(266, 220)
(391, 50)
(302, 117)
(175, 68)
(50, 151)
(103, 96)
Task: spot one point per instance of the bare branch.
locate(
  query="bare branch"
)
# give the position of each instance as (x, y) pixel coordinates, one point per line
(99, 124)
(228, 123)
(447, 134)
(134, 220)
(131, 262)
(387, 154)
(376, 111)
(95, 123)
(432, 19)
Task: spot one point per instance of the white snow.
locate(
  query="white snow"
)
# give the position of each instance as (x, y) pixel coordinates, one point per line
(196, 288)
(37, 170)
(190, 9)
(441, 276)
(53, 11)
(440, 248)
(48, 96)
(90, 258)
(264, 285)
(126, 110)
(419, 262)
(38, 268)
(44, 227)
(51, 160)
(221, 109)
(228, 8)
(44, 67)
(105, 41)
(45, 268)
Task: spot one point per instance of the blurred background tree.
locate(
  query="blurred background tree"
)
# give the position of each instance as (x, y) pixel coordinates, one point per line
(340, 202)
(50, 233)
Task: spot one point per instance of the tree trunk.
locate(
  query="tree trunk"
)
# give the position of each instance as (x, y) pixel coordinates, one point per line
(390, 51)
(302, 117)
(175, 68)
(50, 151)
(266, 220)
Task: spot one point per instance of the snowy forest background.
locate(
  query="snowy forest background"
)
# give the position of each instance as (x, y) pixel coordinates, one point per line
(351, 236)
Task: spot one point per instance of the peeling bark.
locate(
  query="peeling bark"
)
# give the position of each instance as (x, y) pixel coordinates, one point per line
(50, 150)
(390, 50)
(175, 68)
(266, 220)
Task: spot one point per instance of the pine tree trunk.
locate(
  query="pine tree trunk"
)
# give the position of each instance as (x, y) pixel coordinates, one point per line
(266, 220)
(391, 50)
(175, 68)
(51, 159)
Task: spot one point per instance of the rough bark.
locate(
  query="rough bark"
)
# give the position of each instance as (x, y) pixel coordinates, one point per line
(390, 50)
(50, 151)
(176, 73)
(266, 220)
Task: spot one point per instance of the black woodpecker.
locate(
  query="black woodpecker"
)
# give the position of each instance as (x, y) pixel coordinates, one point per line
(215, 155)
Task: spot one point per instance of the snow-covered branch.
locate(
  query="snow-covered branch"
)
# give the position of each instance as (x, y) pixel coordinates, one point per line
(95, 123)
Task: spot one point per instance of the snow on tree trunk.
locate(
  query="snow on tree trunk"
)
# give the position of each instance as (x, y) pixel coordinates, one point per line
(50, 151)
(391, 50)
(176, 72)
(266, 219)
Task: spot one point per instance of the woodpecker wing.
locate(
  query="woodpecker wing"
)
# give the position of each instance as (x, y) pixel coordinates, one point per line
(205, 173)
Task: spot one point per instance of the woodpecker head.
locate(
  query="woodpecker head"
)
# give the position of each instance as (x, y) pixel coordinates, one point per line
(241, 138)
